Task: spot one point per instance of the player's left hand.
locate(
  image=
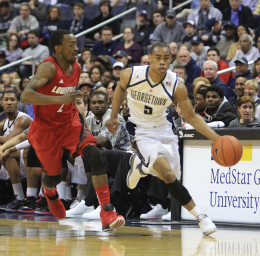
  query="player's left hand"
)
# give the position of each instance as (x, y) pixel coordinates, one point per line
(4, 156)
(112, 125)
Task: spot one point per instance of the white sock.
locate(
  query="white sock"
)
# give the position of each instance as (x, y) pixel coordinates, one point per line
(80, 194)
(31, 191)
(18, 191)
(41, 192)
(61, 188)
(68, 193)
(195, 211)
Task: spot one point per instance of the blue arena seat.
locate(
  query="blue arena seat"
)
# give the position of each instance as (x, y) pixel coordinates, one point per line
(91, 12)
(66, 12)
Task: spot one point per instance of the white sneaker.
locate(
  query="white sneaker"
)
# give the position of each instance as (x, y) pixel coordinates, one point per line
(206, 225)
(167, 217)
(75, 202)
(78, 210)
(136, 172)
(93, 215)
(156, 213)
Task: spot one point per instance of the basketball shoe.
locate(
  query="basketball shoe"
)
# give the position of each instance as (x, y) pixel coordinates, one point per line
(136, 172)
(156, 213)
(28, 204)
(42, 206)
(167, 217)
(79, 210)
(206, 225)
(56, 206)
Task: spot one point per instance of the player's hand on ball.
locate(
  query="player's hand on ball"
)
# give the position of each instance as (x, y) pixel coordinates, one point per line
(70, 97)
(112, 125)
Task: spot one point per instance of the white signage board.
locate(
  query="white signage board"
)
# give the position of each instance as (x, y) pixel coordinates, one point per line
(231, 194)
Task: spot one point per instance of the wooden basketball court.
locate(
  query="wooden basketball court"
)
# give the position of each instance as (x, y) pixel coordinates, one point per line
(22, 234)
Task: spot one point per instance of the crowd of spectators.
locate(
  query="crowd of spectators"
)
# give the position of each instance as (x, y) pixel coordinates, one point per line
(204, 40)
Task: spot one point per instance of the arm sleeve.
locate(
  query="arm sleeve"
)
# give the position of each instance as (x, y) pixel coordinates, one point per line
(23, 145)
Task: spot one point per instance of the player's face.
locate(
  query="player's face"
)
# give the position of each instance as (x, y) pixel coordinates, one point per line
(69, 48)
(98, 105)
(9, 103)
(240, 86)
(160, 60)
(213, 100)
(246, 112)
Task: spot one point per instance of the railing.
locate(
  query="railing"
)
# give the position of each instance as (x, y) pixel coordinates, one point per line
(232, 68)
(180, 5)
(20, 61)
(117, 37)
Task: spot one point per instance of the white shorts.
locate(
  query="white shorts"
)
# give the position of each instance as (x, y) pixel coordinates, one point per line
(77, 171)
(159, 142)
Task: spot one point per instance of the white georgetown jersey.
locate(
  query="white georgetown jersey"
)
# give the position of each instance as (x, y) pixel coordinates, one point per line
(9, 125)
(147, 101)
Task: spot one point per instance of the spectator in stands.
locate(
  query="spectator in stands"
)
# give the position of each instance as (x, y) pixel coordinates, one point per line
(199, 53)
(14, 75)
(12, 50)
(90, 62)
(252, 90)
(105, 62)
(174, 50)
(142, 31)
(193, 70)
(95, 74)
(257, 41)
(5, 19)
(117, 69)
(125, 110)
(200, 15)
(201, 103)
(23, 83)
(214, 54)
(6, 79)
(121, 56)
(246, 109)
(241, 71)
(38, 9)
(247, 51)
(225, 42)
(239, 14)
(3, 62)
(86, 89)
(133, 50)
(218, 108)
(157, 19)
(52, 23)
(144, 60)
(169, 31)
(256, 70)
(38, 51)
(105, 14)
(84, 78)
(181, 72)
(190, 29)
(110, 90)
(257, 10)
(85, 55)
(23, 23)
(106, 78)
(107, 45)
(210, 71)
(198, 82)
(239, 90)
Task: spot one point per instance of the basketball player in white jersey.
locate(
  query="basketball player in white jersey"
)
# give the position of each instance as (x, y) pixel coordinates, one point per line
(150, 90)
(15, 124)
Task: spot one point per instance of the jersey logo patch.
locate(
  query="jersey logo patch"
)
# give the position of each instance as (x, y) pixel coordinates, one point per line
(137, 76)
(168, 83)
(61, 82)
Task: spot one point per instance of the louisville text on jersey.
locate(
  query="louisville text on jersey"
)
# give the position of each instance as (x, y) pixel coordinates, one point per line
(148, 98)
(63, 90)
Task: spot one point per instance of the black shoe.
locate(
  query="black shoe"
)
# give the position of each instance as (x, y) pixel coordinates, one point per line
(13, 206)
(42, 206)
(66, 204)
(28, 205)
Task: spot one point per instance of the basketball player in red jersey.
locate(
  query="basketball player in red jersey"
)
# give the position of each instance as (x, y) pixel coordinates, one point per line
(57, 125)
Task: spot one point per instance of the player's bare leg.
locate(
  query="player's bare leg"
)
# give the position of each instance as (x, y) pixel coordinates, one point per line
(110, 219)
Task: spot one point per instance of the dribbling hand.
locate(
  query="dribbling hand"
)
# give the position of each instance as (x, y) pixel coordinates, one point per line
(70, 97)
(112, 125)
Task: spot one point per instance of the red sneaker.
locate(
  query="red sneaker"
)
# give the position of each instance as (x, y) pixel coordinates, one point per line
(56, 206)
(110, 219)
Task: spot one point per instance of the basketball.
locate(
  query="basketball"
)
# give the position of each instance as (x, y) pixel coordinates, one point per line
(227, 150)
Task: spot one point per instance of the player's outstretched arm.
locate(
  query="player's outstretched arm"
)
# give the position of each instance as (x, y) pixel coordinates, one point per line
(43, 76)
(118, 98)
(181, 95)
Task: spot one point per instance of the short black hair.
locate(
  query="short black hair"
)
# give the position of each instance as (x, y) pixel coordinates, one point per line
(56, 37)
(192, 99)
(106, 28)
(35, 32)
(10, 89)
(181, 67)
(203, 92)
(158, 11)
(160, 44)
(217, 89)
(214, 49)
(93, 93)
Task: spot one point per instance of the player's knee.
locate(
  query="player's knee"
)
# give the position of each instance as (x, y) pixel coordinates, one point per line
(51, 181)
(168, 176)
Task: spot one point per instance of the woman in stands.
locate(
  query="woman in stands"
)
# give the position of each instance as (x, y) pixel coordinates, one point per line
(85, 55)
(12, 50)
(96, 73)
(234, 47)
(106, 78)
(246, 108)
(197, 82)
(252, 90)
(110, 90)
(134, 51)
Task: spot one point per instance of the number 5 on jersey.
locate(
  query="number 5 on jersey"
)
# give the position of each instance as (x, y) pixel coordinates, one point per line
(60, 109)
(148, 110)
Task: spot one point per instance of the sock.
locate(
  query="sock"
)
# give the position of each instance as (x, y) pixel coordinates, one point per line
(68, 193)
(80, 194)
(51, 193)
(61, 188)
(18, 191)
(195, 211)
(103, 195)
(41, 192)
(31, 192)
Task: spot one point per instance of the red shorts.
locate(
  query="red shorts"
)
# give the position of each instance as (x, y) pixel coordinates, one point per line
(48, 143)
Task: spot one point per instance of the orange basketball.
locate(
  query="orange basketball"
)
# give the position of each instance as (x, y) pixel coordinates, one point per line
(227, 150)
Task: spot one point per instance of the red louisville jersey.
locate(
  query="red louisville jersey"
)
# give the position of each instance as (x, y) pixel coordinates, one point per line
(48, 116)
